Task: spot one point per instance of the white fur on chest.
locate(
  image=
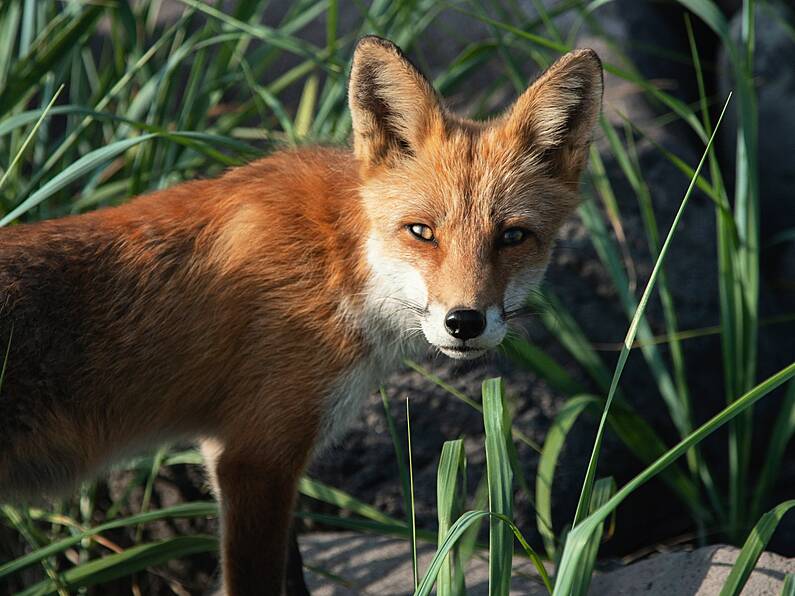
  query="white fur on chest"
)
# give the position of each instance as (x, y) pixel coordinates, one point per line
(391, 332)
(357, 383)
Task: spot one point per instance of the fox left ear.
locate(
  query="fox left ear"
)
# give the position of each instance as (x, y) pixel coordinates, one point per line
(555, 117)
(393, 106)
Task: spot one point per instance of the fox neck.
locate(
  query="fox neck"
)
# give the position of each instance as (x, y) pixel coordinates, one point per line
(388, 331)
(386, 319)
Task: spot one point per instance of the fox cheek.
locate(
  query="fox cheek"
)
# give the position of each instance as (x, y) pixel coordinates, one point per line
(397, 286)
(518, 289)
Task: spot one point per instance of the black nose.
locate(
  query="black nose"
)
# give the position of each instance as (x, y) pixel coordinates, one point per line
(465, 323)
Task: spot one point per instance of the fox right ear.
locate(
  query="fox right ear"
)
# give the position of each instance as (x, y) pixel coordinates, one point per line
(393, 106)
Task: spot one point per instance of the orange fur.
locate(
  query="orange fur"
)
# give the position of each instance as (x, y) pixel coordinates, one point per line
(246, 311)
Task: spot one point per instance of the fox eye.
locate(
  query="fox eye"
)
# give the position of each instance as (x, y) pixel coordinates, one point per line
(513, 236)
(421, 232)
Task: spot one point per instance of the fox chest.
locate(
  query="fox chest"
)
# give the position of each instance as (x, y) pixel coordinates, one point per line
(352, 388)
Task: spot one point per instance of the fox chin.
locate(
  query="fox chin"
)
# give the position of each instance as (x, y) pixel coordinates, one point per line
(253, 312)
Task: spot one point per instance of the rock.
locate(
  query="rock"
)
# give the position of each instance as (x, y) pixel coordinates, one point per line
(701, 572)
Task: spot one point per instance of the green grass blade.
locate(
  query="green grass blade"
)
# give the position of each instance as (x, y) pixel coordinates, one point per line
(450, 498)
(634, 432)
(186, 510)
(414, 568)
(788, 589)
(603, 490)
(585, 495)
(277, 38)
(564, 327)
(306, 107)
(610, 257)
(630, 165)
(533, 358)
(754, 545)
(79, 168)
(678, 107)
(136, 558)
(553, 446)
(520, 436)
(368, 526)
(403, 472)
(5, 355)
(334, 496)
(500, 475)
(783, 429)
(578, 537)
(30, 136)
(458, 530)
(44, 55)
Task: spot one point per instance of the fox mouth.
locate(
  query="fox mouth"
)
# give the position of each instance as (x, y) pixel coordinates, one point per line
(462, 352)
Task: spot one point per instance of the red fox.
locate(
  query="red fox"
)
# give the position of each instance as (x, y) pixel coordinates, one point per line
(253, 312)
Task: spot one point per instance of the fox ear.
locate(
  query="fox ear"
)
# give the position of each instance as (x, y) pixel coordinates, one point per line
(555, 117)
(393, 106)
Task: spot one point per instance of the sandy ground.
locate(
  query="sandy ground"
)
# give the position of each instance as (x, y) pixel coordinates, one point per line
(377, 565)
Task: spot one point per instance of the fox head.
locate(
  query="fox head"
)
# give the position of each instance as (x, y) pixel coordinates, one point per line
(463, 215)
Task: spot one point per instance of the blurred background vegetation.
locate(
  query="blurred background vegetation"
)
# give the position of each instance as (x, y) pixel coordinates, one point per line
(100, 101)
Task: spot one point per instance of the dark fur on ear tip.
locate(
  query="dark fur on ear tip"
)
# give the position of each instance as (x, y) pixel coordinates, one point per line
(384, 44)
(589, 54)
(582, 54)
(376, 40)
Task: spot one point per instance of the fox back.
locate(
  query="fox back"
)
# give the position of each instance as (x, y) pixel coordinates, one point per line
(252, 312)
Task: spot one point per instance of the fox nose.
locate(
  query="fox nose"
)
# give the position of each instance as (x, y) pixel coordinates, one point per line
(465, 323)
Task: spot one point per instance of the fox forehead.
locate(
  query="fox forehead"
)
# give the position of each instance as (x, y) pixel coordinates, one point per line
(473, 176)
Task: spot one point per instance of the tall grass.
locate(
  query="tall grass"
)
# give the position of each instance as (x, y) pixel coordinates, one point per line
(100, 101)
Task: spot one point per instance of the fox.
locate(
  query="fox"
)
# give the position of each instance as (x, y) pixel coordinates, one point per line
(253, 312)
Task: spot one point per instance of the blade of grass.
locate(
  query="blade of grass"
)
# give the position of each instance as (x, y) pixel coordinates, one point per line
(405, 481)
(679, 107)
(83, 165)
(788, 589)
(578, 537)
(20, 522)
(533, 358)
(500, 475)
(365, 525)
(334, 496)
(520, 436)
(585, 495)
(414, 568)
(136, 558)
(450, 498)
(603, 490)
(634, 432)
(306, 107)
(458, 529)
(754, 545)
(51, 47)
(30, 136)
(630, 164)
(553, 445)
(783, 429)
(272, 36)
(185, 510)
(564, 327)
